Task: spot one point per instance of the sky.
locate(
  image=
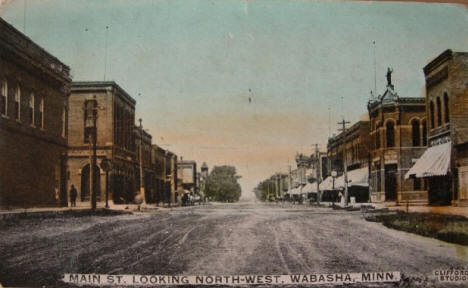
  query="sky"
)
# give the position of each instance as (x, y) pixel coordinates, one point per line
(244, 83)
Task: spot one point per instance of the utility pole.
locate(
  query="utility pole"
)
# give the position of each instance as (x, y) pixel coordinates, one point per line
(91, 133)
(142, 184)
(317, 172)
(345, 164)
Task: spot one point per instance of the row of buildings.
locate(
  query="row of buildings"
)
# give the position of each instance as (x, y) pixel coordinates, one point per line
(407, 150)
(46, 130)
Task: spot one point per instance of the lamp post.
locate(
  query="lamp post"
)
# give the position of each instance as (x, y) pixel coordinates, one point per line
(333, 174)
(106, 165)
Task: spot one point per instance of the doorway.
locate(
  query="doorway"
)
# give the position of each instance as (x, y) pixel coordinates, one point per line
(85, 193)
(390, 182)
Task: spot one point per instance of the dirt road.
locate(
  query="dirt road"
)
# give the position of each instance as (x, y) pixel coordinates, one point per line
(217, 239)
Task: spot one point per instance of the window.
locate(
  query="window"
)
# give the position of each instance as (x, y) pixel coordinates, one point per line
(4, 98)
(424, 133)
(432, 115)
(390, 133)
(18, 103)
(31, 109)
(377, 139)
(41, 112)
(416, 184)
(90, 115)
(64, 122)
(446, 107)
(439, 112)
(415, 133)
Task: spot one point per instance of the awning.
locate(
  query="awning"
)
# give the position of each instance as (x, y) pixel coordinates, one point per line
(296, 191)
(310, 188)
(327, 184)
(434, 162)
(358, 177)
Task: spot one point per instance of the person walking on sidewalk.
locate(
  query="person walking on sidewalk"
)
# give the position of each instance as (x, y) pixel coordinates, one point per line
(73, 194)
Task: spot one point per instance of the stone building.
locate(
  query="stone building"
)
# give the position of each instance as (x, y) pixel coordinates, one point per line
(355, 141)
(398, 138)
(115, 140)
(444, 165)
(143, 143)
(34, 90)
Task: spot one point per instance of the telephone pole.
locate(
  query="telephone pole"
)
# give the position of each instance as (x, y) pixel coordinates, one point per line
(317, 172)
(345, 164)
(91, 134)
(142, 184)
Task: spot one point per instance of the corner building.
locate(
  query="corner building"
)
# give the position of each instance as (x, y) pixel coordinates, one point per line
(115, 141)
(398, 139)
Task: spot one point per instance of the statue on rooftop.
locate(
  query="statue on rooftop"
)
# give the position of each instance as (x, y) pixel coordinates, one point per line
(389, 76)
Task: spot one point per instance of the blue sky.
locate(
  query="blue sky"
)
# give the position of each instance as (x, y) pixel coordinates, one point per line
(194, 61)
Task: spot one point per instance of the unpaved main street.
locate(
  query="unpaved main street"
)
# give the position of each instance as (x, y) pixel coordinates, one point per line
(249, 238)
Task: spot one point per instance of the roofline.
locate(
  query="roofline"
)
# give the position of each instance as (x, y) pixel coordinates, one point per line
(100, 85)
(32, 42)
(443, 57)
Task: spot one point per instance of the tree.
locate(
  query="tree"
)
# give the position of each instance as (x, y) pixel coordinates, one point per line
(222, 185)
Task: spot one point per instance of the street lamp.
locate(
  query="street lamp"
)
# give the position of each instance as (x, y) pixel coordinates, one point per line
(333, 175)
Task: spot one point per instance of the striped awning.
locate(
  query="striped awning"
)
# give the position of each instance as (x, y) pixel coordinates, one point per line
(434, 162)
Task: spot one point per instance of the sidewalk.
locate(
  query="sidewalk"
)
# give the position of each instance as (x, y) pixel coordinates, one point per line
(446, 210)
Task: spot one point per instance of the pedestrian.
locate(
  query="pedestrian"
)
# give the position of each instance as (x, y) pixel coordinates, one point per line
(73, 194)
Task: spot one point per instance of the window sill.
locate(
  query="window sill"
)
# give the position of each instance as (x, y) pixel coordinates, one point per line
(18, 121)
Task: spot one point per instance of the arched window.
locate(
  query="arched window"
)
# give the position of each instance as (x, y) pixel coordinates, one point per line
(424, 133)
(4, 98)
(415, 132)
(439, 112)
(31, 109)
(446, 108)
(432, 115)
(390, 134)
(18, 103)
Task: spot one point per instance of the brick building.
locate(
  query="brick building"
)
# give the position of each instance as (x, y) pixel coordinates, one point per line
(34, 89)
(444, 164)
(172, 179)
(355, 141)
(398, 138)
(115, 140)
(144, 139)
(158, 159)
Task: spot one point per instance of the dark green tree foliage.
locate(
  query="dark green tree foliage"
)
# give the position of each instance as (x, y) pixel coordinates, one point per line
(222, 185)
